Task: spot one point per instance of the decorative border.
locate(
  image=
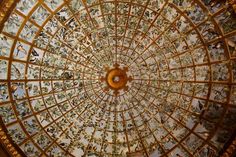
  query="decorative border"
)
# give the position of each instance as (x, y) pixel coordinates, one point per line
(6, 7)
(231, 150)
(7, 144)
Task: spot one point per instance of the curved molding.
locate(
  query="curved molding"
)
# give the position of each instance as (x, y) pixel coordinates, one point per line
(6, 7)
(7, 144)
(230, 151)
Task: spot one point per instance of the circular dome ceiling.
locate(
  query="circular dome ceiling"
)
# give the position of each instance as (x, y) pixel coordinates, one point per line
(119, 78)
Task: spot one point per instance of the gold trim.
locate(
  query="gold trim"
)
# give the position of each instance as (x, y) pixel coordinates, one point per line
(120, 75)
(7, 144)
(229, 152)
(233, 4)
(6, 7)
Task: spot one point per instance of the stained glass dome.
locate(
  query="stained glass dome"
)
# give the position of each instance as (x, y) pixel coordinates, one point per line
(117, 78)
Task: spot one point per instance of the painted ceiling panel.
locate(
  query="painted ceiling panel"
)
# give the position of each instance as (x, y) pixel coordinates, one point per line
(103, 78)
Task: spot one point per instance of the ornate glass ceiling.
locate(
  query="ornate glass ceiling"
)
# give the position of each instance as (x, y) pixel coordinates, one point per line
(119, 78)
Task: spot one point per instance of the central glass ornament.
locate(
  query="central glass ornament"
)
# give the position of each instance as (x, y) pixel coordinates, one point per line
(116, 78)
